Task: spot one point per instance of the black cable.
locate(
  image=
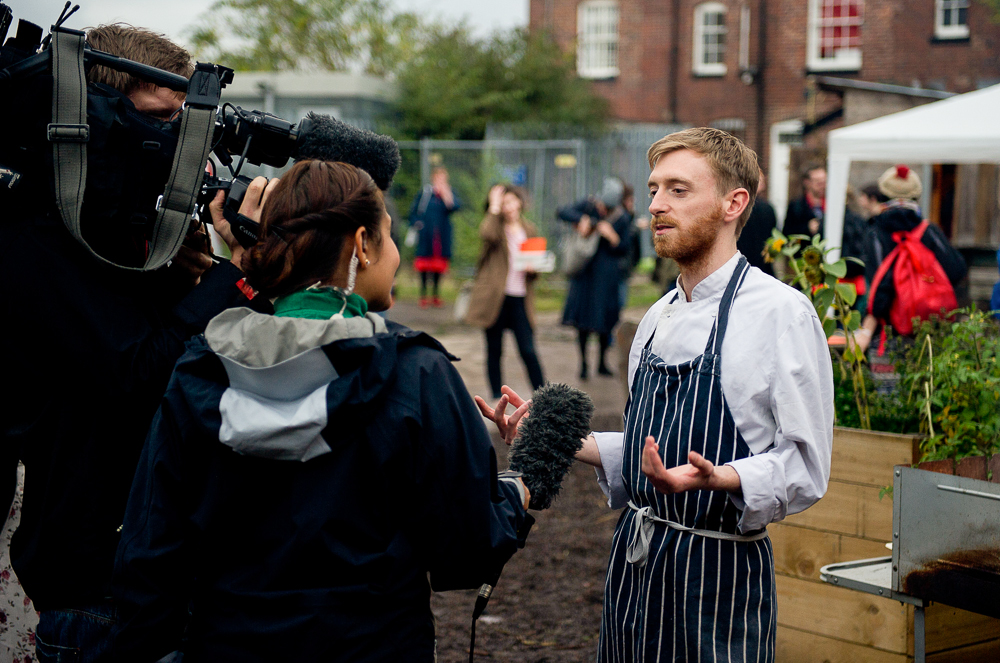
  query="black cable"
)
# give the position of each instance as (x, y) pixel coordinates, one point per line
(472, 645)
(243, 157)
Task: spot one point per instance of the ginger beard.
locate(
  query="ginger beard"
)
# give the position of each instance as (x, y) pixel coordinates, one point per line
(689, 242)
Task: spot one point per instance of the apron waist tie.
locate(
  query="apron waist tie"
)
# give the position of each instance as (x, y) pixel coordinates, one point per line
(642, 534)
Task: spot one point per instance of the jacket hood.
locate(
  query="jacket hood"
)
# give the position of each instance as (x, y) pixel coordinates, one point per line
(282, 382)
(895, 219)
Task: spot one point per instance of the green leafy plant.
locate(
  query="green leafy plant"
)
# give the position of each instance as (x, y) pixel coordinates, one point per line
(952, 376)
(888, 412)
(834, 302)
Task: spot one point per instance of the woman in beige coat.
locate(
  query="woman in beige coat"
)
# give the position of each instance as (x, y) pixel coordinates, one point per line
(502, 298)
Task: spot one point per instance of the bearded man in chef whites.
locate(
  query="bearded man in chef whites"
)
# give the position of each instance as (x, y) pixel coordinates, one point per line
(728, 427)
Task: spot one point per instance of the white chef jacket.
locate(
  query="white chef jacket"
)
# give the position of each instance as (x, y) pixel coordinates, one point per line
(777, 378)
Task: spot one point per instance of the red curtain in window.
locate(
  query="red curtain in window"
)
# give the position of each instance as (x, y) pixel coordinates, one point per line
(840, 25)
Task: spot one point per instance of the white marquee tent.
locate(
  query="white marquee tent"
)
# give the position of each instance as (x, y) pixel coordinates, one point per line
(961, 129)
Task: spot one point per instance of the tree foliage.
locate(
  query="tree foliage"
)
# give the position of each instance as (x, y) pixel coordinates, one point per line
(994, 7)
(458, 84)
(331, 35)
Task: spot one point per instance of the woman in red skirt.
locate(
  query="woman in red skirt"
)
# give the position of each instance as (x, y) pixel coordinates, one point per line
(430, 217)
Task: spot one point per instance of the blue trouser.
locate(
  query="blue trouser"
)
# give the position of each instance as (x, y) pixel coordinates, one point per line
(75, 635)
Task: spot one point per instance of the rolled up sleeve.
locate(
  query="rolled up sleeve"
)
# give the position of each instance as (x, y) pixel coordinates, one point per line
(609, 475)
(792, 474)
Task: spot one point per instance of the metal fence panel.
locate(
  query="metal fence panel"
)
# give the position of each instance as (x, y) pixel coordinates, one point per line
(554, 173)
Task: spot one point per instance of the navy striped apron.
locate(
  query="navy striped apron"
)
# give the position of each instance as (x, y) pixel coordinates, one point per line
(682, 584)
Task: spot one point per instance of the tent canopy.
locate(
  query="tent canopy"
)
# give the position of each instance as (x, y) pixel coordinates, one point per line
(962, 129)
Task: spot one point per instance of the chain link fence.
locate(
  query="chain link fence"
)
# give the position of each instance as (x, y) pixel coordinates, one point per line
(554, 172)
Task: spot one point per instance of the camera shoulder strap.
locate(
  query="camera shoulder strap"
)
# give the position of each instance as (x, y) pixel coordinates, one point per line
(69, 134)
(69, 131)
(181, 193)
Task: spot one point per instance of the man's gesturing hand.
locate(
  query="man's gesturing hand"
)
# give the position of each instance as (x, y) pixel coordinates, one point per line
(698, 474)
(506, 425)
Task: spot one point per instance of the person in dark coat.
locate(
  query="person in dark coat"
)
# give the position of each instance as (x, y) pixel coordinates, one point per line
(633, 251)
(592, 304)
(95, 348)
(311, 475)
(900, 213)
(805, 214)
(757, 231)
(430, 217)
(871, 201)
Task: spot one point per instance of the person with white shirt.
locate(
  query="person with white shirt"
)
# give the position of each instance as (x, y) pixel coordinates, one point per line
(728, 427)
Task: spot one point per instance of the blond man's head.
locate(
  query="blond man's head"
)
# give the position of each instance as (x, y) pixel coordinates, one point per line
(733, 164)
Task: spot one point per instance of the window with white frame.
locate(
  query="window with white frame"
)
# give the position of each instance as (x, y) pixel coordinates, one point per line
(709, 56)
(597, 39)
(834, 40)
(951, 19)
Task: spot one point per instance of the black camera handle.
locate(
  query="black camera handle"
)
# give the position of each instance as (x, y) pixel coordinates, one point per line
(69, 134)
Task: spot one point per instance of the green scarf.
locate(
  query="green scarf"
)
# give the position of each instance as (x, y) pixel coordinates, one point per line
(319, 304)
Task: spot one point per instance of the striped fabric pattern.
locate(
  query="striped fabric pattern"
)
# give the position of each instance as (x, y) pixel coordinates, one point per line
(696, 598)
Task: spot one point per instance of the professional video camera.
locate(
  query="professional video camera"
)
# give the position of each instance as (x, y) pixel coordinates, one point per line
(146, 177)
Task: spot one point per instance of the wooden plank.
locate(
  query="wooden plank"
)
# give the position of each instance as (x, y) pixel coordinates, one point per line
(950, 628)
(986, 652)
(839, 511)
(876, 515)
(801, 552)
(849, 509)
(794, 646)
(840, 613)
(862, 456)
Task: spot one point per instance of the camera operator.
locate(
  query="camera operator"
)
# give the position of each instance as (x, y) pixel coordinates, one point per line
(90, 349)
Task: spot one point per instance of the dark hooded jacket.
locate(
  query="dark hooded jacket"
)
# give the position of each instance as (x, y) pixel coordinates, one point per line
(95, 348)
(881, 244)
(302, 482)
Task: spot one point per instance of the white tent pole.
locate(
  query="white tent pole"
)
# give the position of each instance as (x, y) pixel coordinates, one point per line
(837, 170)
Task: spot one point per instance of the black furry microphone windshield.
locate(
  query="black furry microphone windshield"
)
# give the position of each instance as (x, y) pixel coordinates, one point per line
(323, 137)
(549, 438)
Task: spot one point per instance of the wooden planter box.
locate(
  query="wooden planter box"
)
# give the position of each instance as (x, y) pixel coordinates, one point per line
(827, 624)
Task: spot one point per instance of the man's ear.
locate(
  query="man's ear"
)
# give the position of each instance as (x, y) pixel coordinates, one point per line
(735, 203)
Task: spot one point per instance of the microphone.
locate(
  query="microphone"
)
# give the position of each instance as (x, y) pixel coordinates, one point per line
(549, 438)
(543, 453)
(329, 139)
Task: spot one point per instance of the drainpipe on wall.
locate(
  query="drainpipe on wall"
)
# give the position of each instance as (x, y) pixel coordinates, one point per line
(674, 60)
(762, 142)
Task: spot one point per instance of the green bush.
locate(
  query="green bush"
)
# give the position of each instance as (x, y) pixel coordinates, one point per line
(890, 413)
(952, 376)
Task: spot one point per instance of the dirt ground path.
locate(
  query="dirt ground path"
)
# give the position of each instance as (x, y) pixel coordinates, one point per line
(547, 606)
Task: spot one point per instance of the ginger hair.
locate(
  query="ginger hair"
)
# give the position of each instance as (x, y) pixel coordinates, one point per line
(734, 165)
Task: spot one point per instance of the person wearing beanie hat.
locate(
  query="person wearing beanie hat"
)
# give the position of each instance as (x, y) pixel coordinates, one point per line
(611, 194)
(900, 182)
(900, 213)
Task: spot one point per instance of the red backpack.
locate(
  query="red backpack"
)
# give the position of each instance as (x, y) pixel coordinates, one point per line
(922, 287)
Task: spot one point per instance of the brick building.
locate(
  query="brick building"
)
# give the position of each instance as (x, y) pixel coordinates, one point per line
(773, 72)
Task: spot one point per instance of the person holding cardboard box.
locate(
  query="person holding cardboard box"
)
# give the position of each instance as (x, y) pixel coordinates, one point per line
(502, 296)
